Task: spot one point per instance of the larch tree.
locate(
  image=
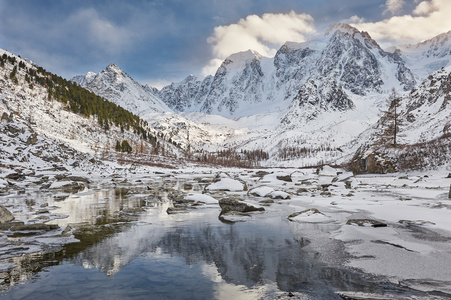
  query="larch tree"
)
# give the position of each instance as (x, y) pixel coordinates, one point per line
(390, 121)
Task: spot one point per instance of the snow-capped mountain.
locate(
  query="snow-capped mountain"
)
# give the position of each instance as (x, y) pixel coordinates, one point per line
(315, 102)
(428, 56)
(27, 102)
(317, 96)
(247, 83)
(118, 87)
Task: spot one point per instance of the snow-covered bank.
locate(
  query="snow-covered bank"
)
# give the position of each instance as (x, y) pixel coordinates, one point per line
(397, 226)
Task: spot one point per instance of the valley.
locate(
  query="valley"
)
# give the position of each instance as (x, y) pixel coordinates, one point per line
(323, 172)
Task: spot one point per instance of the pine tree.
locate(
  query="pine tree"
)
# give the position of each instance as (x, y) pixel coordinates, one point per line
(126, 147)
(118, 147)
(391, 121)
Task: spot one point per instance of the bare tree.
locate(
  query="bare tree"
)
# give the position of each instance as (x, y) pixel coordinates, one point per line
(391, 121)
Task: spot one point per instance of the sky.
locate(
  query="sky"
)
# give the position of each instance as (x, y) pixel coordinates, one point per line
(161, 41)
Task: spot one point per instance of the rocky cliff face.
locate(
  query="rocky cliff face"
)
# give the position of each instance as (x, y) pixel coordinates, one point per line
(427, 108)
(314, 97)
(246, 82)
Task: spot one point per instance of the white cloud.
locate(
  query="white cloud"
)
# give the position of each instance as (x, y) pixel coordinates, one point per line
(263, 34)
(100, 32)
(428, 19)
(393, 6)
(425, 8)
(354, 19)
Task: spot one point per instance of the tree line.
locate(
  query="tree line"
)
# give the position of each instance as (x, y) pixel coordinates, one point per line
(81, 101)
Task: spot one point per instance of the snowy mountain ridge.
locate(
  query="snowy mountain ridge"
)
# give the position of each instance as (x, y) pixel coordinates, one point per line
(318, 95)
(428, 56)
(248, 83)
(118, 87)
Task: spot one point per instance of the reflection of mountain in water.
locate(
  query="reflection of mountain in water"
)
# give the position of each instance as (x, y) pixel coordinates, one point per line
(248, 254)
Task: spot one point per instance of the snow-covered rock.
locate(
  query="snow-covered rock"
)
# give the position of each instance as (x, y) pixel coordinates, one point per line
(226, 184)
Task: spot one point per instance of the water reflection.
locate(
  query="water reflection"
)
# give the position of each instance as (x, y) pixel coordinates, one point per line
(181, 256)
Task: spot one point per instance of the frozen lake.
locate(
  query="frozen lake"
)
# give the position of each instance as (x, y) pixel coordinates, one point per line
(319, 236)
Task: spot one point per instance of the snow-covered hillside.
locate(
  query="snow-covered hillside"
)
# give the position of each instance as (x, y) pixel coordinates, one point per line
(428, 56)
(27, 100)
(118, 87)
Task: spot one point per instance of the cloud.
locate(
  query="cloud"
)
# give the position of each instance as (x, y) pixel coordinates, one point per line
(393, 6)
(263, 34)
(354, 19)
(428, 19)
(99, 32)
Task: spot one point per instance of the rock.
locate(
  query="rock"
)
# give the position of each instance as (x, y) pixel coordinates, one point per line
(32, 139)
(266, 202)
(261, 174)
(7, 226)
(5, 215)
(60, 198)
(178, 197)
(366, 222)
(286, 178)
(232, 204)
(373, 162)
(67, 231)
(449, 194)
(449, 175)
(79, 179)
(187, 186)
(415, 222)
(60, 177)
(311, 210)
(279, 195)
(302, 190)
(232, 217)
(16, 176)
(35, 227)
(175, 210)
(4, 117)
(69, 187)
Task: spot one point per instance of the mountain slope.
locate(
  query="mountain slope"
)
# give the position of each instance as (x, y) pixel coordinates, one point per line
(428, 56)
(118, 87)
(424, 131)
(52, 106)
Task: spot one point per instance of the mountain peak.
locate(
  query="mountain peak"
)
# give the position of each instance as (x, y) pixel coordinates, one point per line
(244, 56)
(342, 27)
(114, 68)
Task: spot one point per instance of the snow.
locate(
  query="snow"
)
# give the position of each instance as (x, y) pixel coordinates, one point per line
(59, 184)
(118, 87)
(226, 184)
(262, 191)
(201, 198)
(279, 195)
(311, 217)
